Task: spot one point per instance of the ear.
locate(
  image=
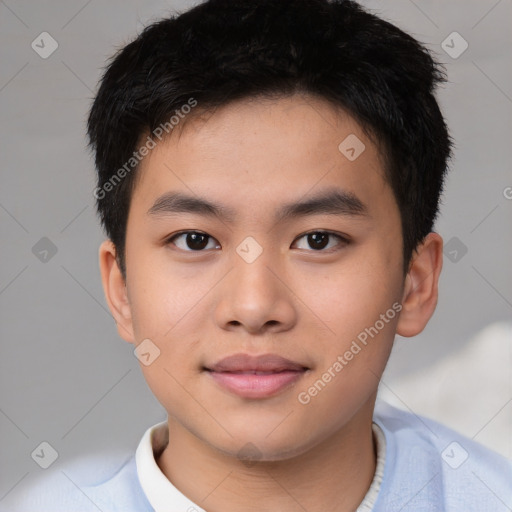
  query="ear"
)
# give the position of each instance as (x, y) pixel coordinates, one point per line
(114, 287)
(421, 286)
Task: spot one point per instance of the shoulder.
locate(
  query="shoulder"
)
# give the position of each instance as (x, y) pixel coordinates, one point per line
(431, 467)
(98, 482)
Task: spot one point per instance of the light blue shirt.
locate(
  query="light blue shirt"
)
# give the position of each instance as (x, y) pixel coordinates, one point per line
(425, 467)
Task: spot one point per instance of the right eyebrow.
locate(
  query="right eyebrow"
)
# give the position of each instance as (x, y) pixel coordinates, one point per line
(178, 202)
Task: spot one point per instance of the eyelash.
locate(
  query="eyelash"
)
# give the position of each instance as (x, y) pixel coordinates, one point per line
(343, 240)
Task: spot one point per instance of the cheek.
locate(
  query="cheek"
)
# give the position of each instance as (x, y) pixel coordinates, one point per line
(162, 297)
(350, 296)
(167, 308)
(167, 312)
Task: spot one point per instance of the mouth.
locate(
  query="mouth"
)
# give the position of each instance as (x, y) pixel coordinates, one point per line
(256, 376)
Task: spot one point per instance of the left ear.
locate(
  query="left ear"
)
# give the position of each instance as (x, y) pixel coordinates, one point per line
(421, 286)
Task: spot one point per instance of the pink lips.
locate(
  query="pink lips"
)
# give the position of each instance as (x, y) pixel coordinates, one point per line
(256, 376)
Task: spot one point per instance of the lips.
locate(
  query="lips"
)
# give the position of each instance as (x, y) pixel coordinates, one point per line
(256, 376)
(245, 363)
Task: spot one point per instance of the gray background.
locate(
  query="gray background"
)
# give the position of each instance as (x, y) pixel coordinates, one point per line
(66, 377)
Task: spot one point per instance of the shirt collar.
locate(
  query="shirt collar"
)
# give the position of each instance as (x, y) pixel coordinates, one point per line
(165, 497)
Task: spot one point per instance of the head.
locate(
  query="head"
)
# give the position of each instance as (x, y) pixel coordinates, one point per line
(301, 148)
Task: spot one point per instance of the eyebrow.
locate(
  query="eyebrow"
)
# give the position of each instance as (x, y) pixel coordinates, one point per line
(330, 202)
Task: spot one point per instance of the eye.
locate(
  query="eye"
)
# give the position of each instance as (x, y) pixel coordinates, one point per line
(319, 240)
(192, 241)
(197, 241)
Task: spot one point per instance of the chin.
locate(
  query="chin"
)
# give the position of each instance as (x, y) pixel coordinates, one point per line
(258, 445)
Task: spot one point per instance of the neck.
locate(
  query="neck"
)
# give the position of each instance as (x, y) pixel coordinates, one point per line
(333, 475)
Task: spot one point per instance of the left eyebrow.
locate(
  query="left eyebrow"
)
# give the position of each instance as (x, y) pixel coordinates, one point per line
(330, 202)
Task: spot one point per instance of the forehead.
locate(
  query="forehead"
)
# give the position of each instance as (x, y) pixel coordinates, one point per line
(261, 152)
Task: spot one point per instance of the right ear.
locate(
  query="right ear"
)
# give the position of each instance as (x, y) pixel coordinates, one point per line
(114, 287)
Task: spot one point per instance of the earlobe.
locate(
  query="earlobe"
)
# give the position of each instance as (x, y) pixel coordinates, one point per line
(114, 288)
(421, 286)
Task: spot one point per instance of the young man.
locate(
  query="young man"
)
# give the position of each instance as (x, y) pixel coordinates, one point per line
(269, 174)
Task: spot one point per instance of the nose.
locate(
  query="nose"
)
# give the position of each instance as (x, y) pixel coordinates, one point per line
(256, 298)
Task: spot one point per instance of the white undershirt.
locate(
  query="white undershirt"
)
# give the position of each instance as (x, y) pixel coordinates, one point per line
(165, 497)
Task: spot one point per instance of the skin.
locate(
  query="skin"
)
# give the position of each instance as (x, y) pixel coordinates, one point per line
(304, 304)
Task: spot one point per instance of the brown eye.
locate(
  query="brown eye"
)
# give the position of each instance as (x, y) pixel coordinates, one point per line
(319, 240)
(192, 241)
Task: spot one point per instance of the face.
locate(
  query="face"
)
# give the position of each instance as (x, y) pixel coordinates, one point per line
(294, 267)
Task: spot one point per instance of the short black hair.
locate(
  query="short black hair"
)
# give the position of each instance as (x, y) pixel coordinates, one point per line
(225, 50)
